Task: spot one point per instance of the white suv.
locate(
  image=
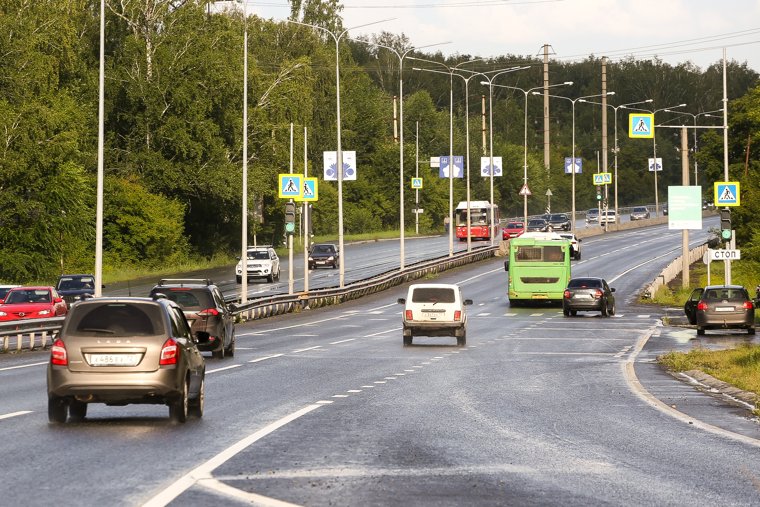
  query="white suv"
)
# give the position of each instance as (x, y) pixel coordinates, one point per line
(262, 262)
(434, 309)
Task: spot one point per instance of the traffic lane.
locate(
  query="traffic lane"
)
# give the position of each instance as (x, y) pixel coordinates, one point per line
(543, 417)
(687, 397)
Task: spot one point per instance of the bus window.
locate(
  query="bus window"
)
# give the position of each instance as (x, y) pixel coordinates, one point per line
(528, 253)
(553, 254)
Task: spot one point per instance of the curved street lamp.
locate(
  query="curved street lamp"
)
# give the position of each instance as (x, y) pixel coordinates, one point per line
(450, 71)
(339, 151)
(525, 139)
(694, 117)
(572, 164)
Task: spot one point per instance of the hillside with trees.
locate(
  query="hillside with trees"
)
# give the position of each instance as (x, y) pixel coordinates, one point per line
(173, 130)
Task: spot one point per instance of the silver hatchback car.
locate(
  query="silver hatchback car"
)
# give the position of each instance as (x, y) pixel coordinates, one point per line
(125, 350)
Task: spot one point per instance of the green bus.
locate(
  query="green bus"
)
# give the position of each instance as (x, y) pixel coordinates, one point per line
(538, 267)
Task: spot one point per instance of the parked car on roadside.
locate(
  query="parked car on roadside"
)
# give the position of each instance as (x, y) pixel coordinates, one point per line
(639, 213)
(559, 222)
(512, 230)
(123, 350)
(434, 309)
(261, 262)
(588, 294)
(720, 307)
(73, 288)
(323, 255)
(32, 303)
(209, 316)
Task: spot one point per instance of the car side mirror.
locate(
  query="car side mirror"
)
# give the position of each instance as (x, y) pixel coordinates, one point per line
(506, 265)
(612, 289)
(58, 300)
(232, 307)
(401, 301)
(467, 302)
(580, 241)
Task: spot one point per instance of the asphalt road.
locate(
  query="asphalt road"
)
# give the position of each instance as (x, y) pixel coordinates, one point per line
(326, 407)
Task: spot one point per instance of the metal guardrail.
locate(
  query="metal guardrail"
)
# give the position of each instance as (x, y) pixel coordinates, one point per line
(37, 331)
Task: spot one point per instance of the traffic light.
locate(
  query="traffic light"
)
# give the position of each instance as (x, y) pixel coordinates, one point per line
(598, 193)
(290, 217)
(725, 224)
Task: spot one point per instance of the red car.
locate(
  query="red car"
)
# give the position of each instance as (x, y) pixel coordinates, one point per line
(32, 303)
(512, 230)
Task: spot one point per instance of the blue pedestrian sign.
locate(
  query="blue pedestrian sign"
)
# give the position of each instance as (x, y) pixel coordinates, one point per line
(290, 186)
(569, 163)
(310, 190)
(443, 170)
(416, 183)
(727, 193)
(641, 125)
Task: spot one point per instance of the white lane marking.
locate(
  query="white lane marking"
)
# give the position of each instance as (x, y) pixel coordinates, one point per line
(340, 396)
(380, 382)
(203, 472)
(389, 378)
(342, 341)
(22, 366)
(536, 314)
(367, 387)
(354, 391)
(307, 348)
(639, 390)
(383, 332)
(305, 335)
(225, 368)
(265, 358)
(484, 314)
(15, 414)
(243, 496)
(324, 402)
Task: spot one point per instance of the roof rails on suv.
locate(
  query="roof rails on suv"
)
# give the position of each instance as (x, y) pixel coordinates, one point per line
(185, 281)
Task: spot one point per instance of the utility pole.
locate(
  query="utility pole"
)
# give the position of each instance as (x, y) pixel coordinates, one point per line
(546, 109)
(685, 232)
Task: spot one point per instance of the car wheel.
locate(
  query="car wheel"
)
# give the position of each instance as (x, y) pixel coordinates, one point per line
(407, 341)
(219, 354)
(462, 340)
(565, 312)
(573, 312)
(700, 331)
(57, 410)
(612, 310)
(751, 330)
(231, 349)
(77, 410)
(179, 406)
(196, 408)
(239, 279)
(311, 267)
(270, 278)
(605, 310)
(278, 275)
(578, 256)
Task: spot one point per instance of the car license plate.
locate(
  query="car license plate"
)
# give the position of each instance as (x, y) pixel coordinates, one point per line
(724, 308)
(582, 296)
(113, 359)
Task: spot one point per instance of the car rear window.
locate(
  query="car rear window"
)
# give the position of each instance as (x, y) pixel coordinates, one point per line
(722, 294)
(433, 295)
(580, 283)
(188, 299)
(115, 319)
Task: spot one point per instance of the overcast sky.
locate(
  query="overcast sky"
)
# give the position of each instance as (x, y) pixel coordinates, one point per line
(674, 30)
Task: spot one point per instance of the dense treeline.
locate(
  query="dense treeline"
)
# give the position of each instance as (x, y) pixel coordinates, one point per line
(173, 130)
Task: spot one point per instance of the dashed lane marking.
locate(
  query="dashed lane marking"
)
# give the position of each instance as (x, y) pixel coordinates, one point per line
(15, 414)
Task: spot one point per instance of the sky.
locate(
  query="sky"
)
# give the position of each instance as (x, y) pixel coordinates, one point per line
(676, 31)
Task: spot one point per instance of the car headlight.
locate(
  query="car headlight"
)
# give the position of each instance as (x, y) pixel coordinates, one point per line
(44, 312)
(3, 314)
(239, 270)
(311, 258)
(331, 258)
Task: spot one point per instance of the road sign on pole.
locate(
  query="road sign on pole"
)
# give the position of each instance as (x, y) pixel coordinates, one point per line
(641, 125)
(525, 190)
(727, 193)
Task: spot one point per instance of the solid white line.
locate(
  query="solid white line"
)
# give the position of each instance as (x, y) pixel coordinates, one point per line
(225, 368)
(22, 366)
(342, 341)
(244, 496)
(14, 414)
(265, 358)
(203, 472)
(383, 332)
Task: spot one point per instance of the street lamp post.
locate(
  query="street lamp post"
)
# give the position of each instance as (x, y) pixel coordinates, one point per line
(525, 139)
(450, 72)
(694, 117)
(339, 151)
(572, 160)
(616, 149)
(401, 57)
(101, 136)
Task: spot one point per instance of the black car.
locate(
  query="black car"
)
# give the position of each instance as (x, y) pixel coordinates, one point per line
(559, 222)
(588, 294)
(720, 307)
(323, 254)
(537, 225)
(123, 350)
(73, 288)
(207, 313)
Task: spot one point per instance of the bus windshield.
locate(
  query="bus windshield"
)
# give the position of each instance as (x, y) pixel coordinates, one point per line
(539, 269)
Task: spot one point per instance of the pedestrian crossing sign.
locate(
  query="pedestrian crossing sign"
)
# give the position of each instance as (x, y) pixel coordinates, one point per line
(290, 186)
(416, 183)
(641, 125)
(727, 193)
(310, 190)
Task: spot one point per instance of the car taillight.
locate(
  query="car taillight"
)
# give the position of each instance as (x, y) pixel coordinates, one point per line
(58, 354)
(208, 311)
(598, 294)
(457, 315)
(701, 305)
(408, 315)
(566, 295)
(169, 353)
(748, 305)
